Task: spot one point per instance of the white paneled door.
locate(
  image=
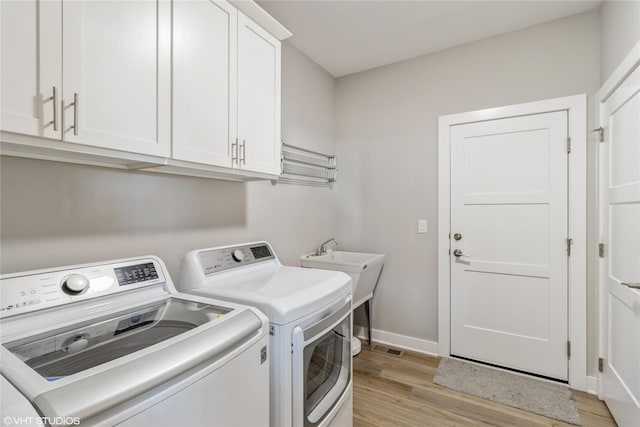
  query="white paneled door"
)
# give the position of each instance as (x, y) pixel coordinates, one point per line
(509, 221)
(619, 116)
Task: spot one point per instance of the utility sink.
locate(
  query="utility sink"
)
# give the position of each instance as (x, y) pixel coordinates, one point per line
(363, 268)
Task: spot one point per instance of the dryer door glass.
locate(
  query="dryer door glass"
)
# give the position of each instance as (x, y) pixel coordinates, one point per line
(67, 351)
(327, 371)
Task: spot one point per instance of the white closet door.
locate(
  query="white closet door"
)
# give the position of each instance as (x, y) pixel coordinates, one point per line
(117, 87)
(204, 81)
(509, 263)
(620, 266)
(258, 98)
(31, 52)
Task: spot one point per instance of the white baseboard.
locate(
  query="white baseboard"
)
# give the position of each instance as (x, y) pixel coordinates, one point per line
(592, 385)
(401, 341)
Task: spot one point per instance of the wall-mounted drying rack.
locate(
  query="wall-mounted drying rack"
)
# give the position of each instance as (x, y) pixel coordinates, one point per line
(306, 167)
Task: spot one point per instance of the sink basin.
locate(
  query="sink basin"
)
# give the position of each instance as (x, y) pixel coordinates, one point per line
(363, 268)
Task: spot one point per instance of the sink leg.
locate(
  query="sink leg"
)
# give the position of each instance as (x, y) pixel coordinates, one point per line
(367, 311)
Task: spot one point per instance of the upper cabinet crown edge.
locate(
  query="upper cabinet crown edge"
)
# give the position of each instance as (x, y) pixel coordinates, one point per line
(262, 18)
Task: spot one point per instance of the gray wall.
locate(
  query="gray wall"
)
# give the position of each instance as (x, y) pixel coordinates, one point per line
(619, 32)
(387, 130)
(55, 214)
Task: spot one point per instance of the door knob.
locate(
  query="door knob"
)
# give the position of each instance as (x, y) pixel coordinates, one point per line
(457, 236)
(458, 253)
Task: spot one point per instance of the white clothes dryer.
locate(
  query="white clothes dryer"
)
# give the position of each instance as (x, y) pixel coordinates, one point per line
(310, 327)
(114, 343)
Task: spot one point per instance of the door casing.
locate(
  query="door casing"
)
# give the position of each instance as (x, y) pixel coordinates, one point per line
(576, 106)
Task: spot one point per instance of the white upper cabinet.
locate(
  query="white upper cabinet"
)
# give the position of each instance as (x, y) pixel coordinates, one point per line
(115, 91)
(258, 98)
(31, 67)
(189, 87)
(204, 82)
(116, 81)
(226, 88)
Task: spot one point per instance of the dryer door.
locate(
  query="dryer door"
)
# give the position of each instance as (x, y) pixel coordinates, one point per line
(322, 366)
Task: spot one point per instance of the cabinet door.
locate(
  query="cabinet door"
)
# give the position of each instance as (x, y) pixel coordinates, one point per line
(204, 81)
(31, 67)
(117, 87)
(258, 98)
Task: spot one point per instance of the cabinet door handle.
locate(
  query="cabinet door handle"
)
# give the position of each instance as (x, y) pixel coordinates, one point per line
(75, 114)
(234, 152)
(54, 98)
(243, 159)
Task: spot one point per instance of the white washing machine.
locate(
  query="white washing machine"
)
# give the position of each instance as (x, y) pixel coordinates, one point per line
(310, 327)
(114, 343)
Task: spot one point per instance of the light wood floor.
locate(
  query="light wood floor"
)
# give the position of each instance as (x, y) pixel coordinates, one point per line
(399, 391)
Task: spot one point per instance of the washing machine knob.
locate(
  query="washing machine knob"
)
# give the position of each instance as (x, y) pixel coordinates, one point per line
(237, 255)
(75, 284)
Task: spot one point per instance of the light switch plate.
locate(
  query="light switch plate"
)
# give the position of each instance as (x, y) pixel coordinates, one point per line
(422, 226)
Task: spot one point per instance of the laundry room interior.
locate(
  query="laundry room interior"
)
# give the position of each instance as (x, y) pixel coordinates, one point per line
(368, 112)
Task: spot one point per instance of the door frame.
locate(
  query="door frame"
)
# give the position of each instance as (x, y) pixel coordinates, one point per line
(619, 75)
(576, 106)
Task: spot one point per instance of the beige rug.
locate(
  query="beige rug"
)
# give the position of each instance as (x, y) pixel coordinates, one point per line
(532, 395)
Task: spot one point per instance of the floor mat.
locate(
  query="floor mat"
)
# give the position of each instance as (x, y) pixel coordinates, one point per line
(537, 396)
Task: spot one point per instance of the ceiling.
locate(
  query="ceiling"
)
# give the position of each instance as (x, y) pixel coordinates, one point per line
(346, 37)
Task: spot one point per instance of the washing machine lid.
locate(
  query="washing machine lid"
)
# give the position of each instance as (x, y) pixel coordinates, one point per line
(81, 353)
(117, 359)
(283, 293)
(67, 351)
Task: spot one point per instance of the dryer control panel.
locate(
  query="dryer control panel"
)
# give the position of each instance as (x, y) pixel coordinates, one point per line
(32, 291)
(221, 259)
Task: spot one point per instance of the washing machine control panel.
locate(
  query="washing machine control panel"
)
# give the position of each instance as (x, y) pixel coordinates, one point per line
(44, 289)
(221, 259)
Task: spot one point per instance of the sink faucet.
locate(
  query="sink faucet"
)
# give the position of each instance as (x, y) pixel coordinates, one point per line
(323, 247)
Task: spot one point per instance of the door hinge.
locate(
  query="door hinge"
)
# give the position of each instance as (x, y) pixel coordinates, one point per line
(569, 349)
(568, 145)
(569, 243)
(601, 250)
(600, 131)
(600, 364)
